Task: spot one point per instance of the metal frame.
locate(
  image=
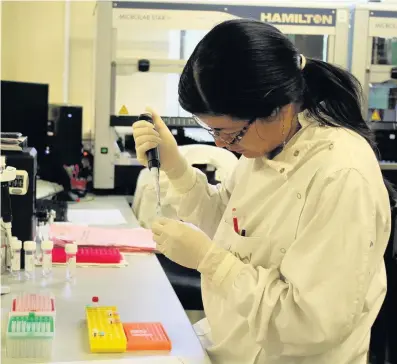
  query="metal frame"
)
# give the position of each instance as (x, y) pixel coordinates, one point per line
(371, 20)
(108, 18)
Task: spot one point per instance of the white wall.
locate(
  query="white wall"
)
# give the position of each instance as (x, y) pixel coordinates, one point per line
(81, 75)
(33, 50)
(32, 43)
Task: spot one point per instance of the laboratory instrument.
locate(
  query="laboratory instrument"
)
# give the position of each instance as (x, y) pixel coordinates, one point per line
(107, 334)
(46, 250)
(318, 30)
(105, 331)
(71, 251)
(30, 335)
(30, 257)
(33, 302)
(153, 158)
(89, 255)
(374, 54)
(22, 191)
(7, 174)
(16, 246)
(30, 328)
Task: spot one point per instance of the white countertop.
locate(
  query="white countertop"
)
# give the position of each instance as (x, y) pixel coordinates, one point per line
(141, 292)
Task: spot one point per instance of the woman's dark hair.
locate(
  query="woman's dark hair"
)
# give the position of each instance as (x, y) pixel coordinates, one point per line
(245, 68)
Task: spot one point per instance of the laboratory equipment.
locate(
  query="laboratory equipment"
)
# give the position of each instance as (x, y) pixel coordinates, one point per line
(24, 109)
(33, 302)
(57, 210)
(105, 331)
(153, 158)
(46, 264)
(30, 257)
(64, 133)
(64, 144)
(30, 335)
(147, 336)
(70, 250)
(40, 231)
(125, 57)
(7, 174)
(89, 254)
(95, 301)
(22, 192)
(374, 53)
(16, 246)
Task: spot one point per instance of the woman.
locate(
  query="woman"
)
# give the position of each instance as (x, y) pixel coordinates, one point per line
(301, 278)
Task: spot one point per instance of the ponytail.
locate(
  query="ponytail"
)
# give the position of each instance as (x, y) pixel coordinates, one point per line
(333, 97)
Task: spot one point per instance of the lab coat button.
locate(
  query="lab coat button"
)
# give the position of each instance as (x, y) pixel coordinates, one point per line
(282, 250)
(282, 170)
(296, 153)
(331, 146)
(299, 196)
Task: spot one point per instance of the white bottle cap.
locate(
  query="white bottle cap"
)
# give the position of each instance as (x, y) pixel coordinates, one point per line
(47, 245)
(16, 244)
(29, 245)
(71, 248)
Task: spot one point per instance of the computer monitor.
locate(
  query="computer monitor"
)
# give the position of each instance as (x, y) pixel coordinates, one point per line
(24, 109)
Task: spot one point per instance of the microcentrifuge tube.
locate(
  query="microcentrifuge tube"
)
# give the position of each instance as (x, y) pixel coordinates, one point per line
(30, 250)
(71, 251)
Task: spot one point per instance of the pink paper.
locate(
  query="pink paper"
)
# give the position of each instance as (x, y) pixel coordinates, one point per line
(139, 238)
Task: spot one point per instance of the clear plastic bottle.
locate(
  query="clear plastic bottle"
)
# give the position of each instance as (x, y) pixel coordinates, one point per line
(71, 251)
(46, 251)
(30, 252)
(16, 246)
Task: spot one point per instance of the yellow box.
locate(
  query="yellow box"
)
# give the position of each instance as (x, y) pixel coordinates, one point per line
(105, 330)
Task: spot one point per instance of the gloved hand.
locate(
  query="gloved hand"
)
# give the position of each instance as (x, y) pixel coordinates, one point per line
(183, 243)
(148, 136)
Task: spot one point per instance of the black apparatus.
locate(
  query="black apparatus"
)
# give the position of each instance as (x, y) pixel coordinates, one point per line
(24, 206)
(153, 155)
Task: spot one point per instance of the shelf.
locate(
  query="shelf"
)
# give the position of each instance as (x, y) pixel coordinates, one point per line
(170, 121)
(129, 66)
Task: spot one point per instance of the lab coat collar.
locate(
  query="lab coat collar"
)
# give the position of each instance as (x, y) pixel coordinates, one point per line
(294, 151)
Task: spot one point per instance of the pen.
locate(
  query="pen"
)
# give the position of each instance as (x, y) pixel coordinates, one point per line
(243, 232)
(235, 221)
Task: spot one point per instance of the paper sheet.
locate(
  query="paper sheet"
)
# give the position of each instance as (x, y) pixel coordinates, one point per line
(126, 239)
(96, 217)
(134, 360)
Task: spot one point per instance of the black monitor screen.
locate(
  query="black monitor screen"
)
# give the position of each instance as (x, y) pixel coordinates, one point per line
(24, 109)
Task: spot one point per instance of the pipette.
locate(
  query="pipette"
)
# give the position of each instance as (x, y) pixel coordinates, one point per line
(153, 158)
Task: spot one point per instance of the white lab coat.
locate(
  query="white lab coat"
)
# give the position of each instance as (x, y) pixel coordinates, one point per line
(145, 198)
(306, 283)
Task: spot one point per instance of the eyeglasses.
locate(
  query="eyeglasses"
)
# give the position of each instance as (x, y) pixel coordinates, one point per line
(229, 139)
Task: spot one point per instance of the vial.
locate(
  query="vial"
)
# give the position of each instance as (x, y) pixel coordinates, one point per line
(30, 250)
(16, 246)
(71, 251)
(95, 301)
(46, 249)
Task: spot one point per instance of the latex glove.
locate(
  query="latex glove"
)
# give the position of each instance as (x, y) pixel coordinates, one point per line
(183, 243)
(148, 136)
